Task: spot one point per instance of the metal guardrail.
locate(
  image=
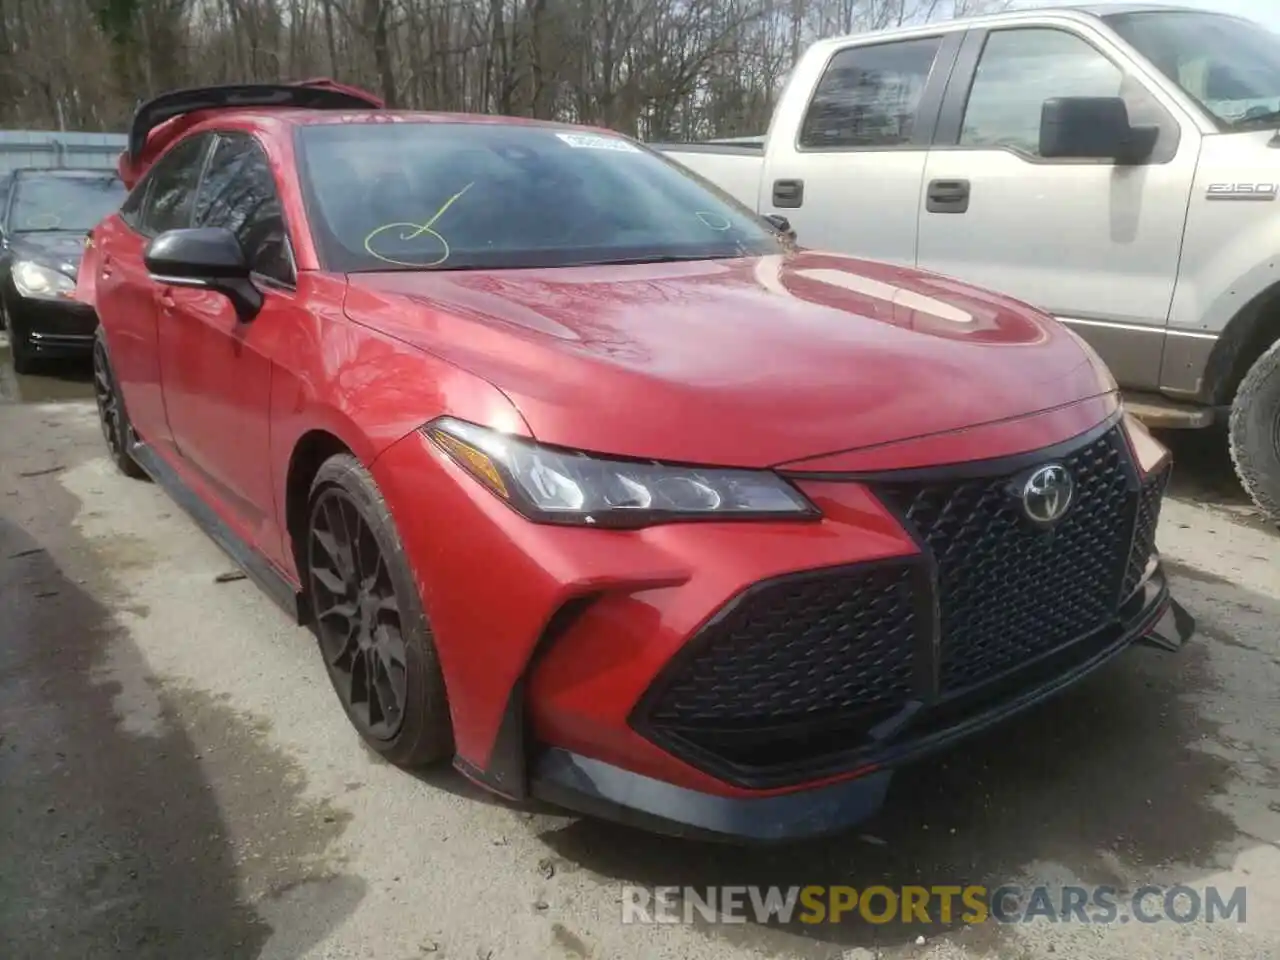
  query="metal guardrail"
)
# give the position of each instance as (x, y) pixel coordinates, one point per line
(43, 148)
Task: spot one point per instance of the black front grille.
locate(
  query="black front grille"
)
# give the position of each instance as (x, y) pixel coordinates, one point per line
(804, 670)
(1007, 590)
(1144, 533)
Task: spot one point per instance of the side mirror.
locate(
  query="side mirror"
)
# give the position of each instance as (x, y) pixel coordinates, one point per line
(209, 258)
(1093, 128)
(781, 224)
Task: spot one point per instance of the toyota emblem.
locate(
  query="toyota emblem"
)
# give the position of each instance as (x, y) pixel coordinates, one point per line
(1047, 494)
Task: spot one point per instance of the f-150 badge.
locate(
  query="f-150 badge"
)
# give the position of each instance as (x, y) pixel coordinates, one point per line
(1242, 191)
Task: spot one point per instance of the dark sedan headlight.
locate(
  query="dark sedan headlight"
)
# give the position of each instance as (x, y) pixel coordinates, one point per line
(41, 282)
(551, 485)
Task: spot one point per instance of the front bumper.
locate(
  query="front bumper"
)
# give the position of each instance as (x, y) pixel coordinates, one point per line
(600, 789)
(53, 326)
(560, 646)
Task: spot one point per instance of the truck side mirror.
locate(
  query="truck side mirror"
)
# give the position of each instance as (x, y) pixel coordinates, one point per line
(1093, 128)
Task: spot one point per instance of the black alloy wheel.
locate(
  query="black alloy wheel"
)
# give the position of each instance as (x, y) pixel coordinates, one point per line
(369, 619)
(358, 615)
(116, 429)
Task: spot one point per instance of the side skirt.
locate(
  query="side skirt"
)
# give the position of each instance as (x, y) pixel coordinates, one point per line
(260, 570)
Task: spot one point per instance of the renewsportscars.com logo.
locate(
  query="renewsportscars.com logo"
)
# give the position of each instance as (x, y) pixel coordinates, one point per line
(938, 904)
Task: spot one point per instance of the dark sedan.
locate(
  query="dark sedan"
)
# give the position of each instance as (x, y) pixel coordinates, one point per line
(46, 217)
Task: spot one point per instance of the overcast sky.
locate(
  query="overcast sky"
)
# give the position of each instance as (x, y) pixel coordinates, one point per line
(1263, 11)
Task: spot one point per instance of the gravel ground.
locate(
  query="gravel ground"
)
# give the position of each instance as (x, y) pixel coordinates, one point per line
(178, 781)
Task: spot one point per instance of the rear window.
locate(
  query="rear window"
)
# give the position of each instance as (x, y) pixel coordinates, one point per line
(42, 204)
(448, 196)
(869, 96)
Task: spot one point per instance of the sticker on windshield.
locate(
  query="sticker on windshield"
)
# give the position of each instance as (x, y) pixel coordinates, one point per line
(588, 141)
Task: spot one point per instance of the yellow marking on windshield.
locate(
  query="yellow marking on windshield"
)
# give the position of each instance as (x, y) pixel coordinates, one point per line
(43, 221)
(415, 230)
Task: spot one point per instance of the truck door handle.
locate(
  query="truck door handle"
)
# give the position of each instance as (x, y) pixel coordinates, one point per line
(947, 196)
(788, 194)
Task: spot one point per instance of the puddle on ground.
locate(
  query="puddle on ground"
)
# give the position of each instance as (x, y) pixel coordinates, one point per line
(58, 380)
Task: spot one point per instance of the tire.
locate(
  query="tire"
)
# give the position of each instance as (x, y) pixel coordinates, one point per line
(1255, 432)
(369, 619)
(112, 416)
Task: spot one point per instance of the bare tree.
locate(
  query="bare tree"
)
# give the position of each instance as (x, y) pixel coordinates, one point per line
(657, 68)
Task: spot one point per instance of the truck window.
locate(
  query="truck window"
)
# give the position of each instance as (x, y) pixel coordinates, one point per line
(1018, 71)
(868, 96)
(1230, 66)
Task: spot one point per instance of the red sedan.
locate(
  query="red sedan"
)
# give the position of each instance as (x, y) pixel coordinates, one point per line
(588, 479)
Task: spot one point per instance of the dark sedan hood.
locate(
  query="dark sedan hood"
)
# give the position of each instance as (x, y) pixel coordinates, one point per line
(59, 249)
(747, 362)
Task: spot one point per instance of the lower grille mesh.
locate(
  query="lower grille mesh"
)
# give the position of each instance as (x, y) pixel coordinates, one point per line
(796, 650)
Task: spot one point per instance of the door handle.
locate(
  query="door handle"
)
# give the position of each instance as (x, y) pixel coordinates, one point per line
(788, 194)
(166, 300)
(947, 196)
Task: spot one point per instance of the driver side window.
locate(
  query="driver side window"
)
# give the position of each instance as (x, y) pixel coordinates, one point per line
(239, 193)
(1021, 69)
(169, 190)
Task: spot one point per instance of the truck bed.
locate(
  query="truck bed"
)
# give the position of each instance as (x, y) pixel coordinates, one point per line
(733, 165)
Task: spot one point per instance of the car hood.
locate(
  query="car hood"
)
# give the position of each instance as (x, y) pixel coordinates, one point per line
(61, 250)
(747, 362)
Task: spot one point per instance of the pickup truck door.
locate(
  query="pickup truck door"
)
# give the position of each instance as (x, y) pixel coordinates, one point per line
(847, 171)
(1094, 243)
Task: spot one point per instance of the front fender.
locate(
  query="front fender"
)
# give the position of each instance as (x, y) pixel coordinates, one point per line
(1230, 258)
(364, 388)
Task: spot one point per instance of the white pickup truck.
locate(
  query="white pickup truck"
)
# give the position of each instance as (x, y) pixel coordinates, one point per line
(1116, 166)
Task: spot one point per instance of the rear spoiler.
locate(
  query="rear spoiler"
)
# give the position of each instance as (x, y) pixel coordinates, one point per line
(318, 94)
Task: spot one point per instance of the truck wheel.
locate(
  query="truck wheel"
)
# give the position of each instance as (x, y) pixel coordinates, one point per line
(1255, 432)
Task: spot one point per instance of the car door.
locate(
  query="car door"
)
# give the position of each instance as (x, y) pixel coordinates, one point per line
(124, 293)
(216, 367)
(850, 180)
(1092, 242)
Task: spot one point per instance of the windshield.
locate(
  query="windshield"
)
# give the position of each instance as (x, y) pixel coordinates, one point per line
(51, 203)
(1231, 66)
(449, 196)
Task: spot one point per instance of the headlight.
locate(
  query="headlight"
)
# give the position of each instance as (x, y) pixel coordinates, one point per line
(41, 282)
(549, 485)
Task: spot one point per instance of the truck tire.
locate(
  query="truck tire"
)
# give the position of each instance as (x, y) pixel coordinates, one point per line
(1255, 432)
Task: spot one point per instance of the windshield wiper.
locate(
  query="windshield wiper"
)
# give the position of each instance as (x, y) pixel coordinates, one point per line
(655, 258)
